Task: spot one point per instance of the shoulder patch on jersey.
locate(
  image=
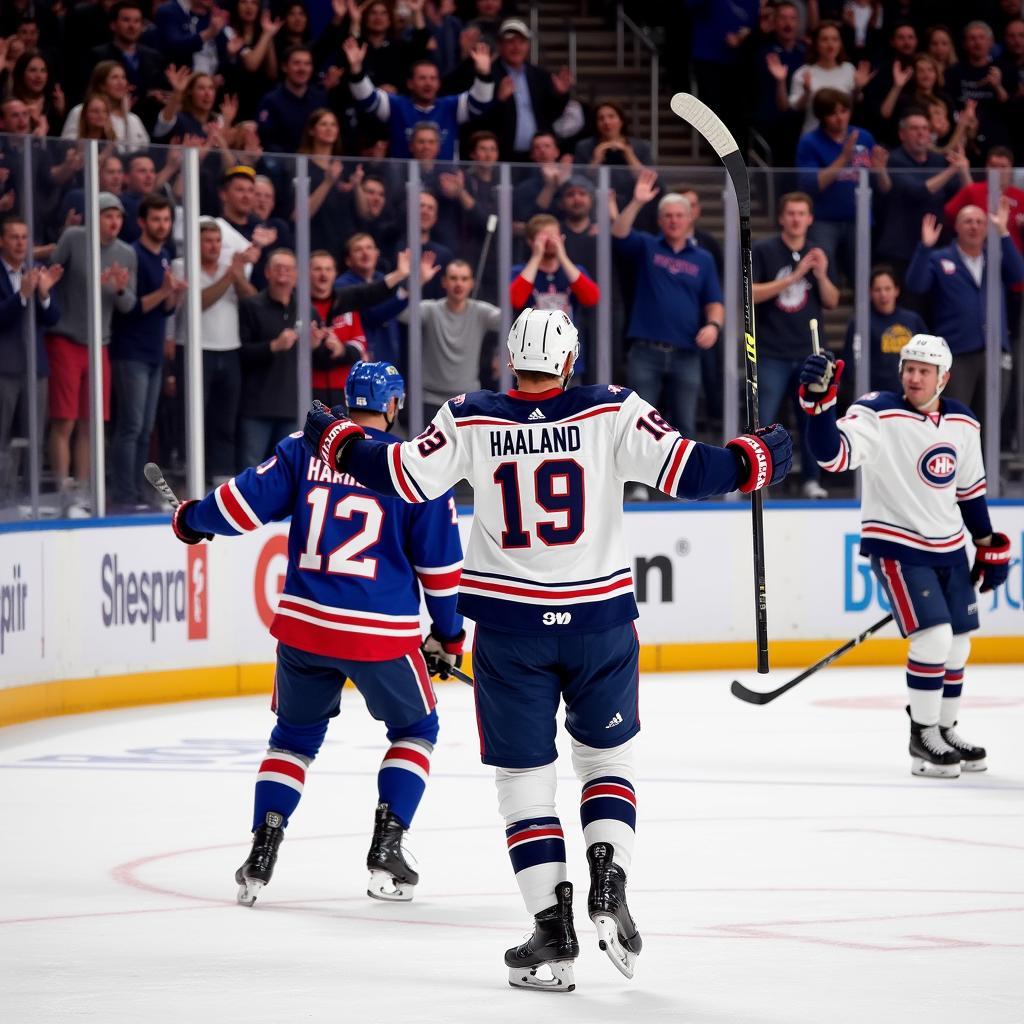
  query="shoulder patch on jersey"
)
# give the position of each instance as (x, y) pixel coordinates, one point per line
(880, 400)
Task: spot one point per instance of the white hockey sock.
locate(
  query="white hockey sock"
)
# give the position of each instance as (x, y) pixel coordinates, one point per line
(536, 843)
(608, 797)
(953, 682)
(926, 669)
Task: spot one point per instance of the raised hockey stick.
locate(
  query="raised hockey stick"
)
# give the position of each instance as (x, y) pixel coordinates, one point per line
(492, 226)
(710, 125)
(815, 343)
(753, 697)
(155, 476)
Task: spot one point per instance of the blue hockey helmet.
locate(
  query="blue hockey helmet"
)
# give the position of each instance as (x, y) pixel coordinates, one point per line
(371, 386)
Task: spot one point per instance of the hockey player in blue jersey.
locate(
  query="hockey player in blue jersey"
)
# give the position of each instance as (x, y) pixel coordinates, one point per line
(349, 608)
(923, 485)
(548, 582)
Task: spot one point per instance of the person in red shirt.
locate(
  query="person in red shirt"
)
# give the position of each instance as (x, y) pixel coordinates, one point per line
(976, 194)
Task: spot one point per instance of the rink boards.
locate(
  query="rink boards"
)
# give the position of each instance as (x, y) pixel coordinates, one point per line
(118, 612)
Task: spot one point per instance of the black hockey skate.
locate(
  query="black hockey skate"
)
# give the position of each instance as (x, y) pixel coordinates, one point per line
(552, 944)
(258, 868)
(617, 934)
(972, 758)
(931, 756)
(392, 877)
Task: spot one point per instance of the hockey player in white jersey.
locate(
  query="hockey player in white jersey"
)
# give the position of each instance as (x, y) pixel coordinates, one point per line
(547, 579)
(923, 486)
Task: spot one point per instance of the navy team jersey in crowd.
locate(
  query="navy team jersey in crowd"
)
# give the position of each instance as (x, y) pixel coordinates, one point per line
(547, 551)
(923, 475)
(356, 560)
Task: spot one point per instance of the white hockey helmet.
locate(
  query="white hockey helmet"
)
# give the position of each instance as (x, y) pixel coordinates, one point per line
(541, 339)
(927, 348)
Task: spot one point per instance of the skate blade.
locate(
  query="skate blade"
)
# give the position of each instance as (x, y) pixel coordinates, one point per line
(248, 890)
(562, 978)
(974, 766)
(934, 771)
(383, 886)
(608, 940)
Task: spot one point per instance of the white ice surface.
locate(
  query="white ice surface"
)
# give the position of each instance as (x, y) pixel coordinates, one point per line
(788, 869)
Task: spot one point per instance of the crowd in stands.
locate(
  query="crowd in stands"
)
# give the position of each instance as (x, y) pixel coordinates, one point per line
(923, 94)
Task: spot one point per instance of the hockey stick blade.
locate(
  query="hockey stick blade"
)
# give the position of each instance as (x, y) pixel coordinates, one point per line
(755, 697)
(706, 121)
(154, 475)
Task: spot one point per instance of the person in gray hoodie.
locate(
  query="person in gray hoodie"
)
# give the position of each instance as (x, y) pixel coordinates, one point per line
(67, 343)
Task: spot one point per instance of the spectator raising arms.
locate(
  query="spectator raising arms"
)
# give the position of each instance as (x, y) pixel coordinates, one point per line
(677, 308)
(401, 114)
(955, 280)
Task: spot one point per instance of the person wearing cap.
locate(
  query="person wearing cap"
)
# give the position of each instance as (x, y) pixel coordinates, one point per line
(67, 343)
(403, 114)
(528, 99)
(241, 227)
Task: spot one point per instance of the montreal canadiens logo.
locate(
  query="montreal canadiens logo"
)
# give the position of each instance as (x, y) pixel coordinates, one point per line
(937, 466)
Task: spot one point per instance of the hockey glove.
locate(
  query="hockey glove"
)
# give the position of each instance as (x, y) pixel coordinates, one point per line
(328, 434)
(182, 530)
(763, 458)
(440, 655)
(819, 382)
(992, 563)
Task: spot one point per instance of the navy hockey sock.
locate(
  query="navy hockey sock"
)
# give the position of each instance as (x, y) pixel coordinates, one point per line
(282, 774)
(608, 815)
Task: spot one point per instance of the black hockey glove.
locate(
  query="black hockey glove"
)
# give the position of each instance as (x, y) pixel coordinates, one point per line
(440, 654)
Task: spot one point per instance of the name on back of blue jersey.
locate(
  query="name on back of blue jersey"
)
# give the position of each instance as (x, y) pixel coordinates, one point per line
(319, 472)
(524, 441)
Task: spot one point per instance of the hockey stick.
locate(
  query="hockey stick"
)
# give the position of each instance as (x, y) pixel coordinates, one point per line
(156, 478)
(815, 343)
(702, 118)
(460, 675)
(492, 225)
(753, 697)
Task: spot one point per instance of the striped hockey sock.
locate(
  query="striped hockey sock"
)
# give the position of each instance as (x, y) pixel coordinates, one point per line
(924, 689)
(608, 815)
(279, 785)
(952, 687)
(536, 847)
(403, 777)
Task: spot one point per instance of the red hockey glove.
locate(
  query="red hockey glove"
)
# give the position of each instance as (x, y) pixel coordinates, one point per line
(763, 458)
(328, 435)
(992, 563)
(182, 530)
(819, 382)
(440, 654)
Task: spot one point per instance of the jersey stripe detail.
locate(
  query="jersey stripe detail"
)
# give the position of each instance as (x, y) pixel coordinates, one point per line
(678, 464)
(493, 421)
(876, 529)
(476, 574)
(398, 476)
(902, 606)
(235, 509)
(407, 756)
(419, 668)
(607, 789)
(535, 595)
(958, 418)
(842, 458)
(442, 581)
(975, 490)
